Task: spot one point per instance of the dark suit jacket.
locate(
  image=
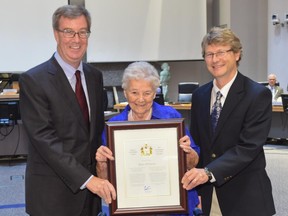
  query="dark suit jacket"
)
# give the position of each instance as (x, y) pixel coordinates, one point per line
(235, 153)
(62, 150)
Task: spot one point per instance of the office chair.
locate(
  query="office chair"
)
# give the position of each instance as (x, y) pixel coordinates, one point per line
(185, 91)
(265, 83)
(105, 98)
(112, 95)
(285, 102)
(159, 99)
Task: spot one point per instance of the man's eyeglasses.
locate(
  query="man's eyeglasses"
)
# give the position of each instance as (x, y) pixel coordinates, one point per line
(68, 33)
(219, 54)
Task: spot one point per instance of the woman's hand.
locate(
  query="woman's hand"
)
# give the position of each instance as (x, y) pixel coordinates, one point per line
(185, 144)
(103, 153)
(192, 156)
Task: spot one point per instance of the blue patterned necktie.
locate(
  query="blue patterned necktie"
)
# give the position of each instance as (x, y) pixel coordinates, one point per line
(216, 110)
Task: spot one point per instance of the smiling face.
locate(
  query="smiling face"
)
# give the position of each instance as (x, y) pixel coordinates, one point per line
(222, 67)
(140, 95)
(73, 49)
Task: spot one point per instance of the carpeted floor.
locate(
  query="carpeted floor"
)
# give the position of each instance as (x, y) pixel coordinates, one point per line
(12, 192)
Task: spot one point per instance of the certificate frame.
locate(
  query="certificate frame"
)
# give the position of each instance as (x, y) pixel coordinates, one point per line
(162, 166)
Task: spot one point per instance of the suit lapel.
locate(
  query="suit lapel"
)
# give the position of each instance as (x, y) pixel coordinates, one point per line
(91, 89)
(277, 92)
(94, 83)
(63, 86)
(205, 108)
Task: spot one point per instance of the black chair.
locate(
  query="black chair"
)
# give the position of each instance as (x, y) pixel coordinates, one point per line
(105, 97)
(185, 91)
(266, 83)
(113, 95)
(285, 102)
(159, 99)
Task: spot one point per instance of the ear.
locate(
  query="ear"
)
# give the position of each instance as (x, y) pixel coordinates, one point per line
(56, 36)
(125, 94)
(237, 56)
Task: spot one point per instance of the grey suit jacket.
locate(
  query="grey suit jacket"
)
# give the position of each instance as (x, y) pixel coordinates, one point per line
(62, 150)
(278, 92)
(234, 154)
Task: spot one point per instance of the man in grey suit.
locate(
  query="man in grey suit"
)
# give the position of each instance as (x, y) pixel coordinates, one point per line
(231, 175)
(275, 90)
(61, 175)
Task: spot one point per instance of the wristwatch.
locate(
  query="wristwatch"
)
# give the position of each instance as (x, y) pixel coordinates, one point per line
(208, 173)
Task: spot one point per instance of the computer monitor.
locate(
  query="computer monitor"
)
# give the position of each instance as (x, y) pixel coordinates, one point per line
(285, 102)
(9, 111)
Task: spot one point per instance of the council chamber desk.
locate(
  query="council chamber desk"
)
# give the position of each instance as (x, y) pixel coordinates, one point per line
(178, 106)
(13, 138)
(187, 106)
(279, 128)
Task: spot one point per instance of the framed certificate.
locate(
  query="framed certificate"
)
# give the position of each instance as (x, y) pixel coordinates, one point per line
(148, 166)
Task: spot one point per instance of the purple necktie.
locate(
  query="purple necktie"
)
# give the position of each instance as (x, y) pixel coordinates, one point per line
(81, 97)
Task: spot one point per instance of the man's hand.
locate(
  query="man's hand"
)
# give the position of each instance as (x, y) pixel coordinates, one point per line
(102, 188)
(193, 178)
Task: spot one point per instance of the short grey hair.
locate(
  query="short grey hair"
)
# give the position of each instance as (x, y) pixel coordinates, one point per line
(141, 71)
(272, 75)
(71, 12)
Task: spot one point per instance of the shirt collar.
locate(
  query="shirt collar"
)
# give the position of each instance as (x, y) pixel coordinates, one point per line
(224, 91)
(67, 68)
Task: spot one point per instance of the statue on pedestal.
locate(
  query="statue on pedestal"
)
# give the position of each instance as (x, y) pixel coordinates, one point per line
(164, 79)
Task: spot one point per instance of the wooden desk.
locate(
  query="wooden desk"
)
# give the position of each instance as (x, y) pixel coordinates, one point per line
(9, 96)
(187, 106)
(279, 125)
(178, 106)
(277, 108)
(16, 142)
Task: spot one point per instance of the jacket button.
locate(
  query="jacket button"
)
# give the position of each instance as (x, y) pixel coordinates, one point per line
(213, 155)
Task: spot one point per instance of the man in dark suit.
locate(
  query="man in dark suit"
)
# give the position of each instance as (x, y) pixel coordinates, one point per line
(61, 167)
(231, 175)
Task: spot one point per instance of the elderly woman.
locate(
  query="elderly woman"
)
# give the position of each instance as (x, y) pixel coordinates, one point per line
(140, 82)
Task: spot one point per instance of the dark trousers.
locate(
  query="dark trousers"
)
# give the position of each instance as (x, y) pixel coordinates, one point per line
(92, 205)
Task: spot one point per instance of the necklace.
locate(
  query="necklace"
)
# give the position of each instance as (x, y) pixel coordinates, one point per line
(131, 117)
